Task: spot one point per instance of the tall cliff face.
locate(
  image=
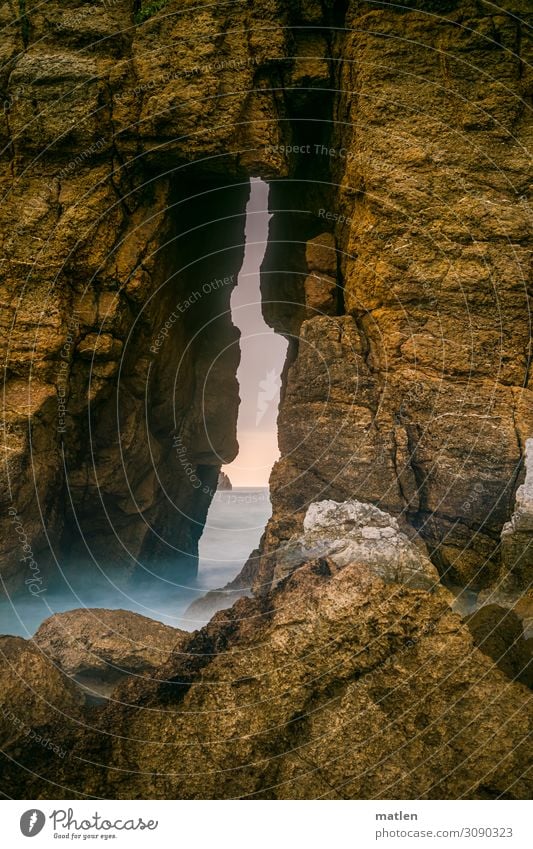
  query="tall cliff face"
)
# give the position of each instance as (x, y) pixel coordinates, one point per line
(127, 150)
(419, 397)
(125, 180)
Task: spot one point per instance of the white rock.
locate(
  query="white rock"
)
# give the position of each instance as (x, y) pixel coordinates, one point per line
(353, 531)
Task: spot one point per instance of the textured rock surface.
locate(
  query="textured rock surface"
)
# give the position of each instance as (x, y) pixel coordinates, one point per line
(498, 633)
(336, 686)
(36, 700)
(202, 609)
(353, 532)
(321, 296)
(521, 603)
(107, 643)
(420, 397)
(224, 481)
(123, 157)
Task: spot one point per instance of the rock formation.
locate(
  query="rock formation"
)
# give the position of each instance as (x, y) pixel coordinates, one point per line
(517, 534)
(321, 283)
(353, 532)
(414, 396)
(514, 588)
(202, 609)
(336, 685)
(36, 701)
(395, 139)
(498, 633)
(99, 647)
(125, 155)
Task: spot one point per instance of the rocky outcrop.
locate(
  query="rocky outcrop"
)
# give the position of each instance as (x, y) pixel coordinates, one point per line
(126, 159)
(415, 397)
(99, 647)
(336, 685)
(202, 609)
(395, 136)
(321, 297)
(36, 700)
(224, 482)
(498, 633)
(353, 532)
(117, 174)
(514, 588)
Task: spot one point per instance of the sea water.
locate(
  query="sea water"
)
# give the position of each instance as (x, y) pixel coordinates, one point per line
(233, 528)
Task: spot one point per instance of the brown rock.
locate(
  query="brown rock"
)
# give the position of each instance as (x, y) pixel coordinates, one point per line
(320, 295)
(423, 186)
(429, 413)
(100, 346)
(119, 162)
(320, 254)
(498, 633)
(336, 686)
(106, 643)
(517, 534)
(202, 609)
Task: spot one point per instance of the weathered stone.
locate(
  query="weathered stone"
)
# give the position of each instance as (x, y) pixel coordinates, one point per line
(417, 398)
(320, 254)
(353, 532)
(431, 233)
(106, 643)
(224, 482)
(100, 346)
(202, 609)
(35, 697)
(433, 403)
(336, 686)
(517, 534)
(498, 633)
(320, 295)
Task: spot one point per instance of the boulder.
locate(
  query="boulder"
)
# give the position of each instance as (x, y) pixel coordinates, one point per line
(498, 633)
(35, 697)
(337, 686)
(355, 532)
(224, 482)
(100, 647)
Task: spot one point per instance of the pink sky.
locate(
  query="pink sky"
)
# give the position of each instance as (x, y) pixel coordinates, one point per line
(262, 357)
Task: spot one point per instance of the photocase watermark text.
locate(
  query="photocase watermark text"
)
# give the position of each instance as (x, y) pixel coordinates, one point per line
(34, 581)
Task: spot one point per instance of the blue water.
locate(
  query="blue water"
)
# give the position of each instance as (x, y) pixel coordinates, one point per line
(234, 525)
